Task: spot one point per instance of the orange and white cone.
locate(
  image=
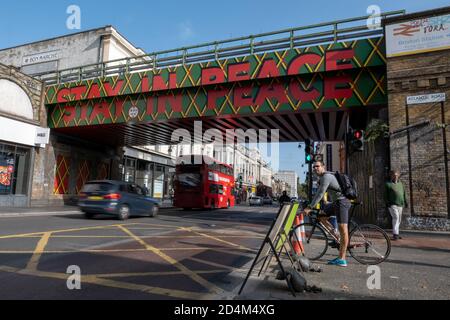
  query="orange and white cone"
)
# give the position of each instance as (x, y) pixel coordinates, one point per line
(297, 239)
(302, 230)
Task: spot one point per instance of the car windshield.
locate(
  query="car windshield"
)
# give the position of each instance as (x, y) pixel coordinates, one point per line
(98, 187)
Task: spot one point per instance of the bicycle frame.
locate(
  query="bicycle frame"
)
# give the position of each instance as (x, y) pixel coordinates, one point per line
(316, 221)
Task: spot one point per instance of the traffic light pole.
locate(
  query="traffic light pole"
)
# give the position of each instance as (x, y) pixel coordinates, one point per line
(310, 182)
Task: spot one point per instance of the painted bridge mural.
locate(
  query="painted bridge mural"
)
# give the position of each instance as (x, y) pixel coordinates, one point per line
(327, 77)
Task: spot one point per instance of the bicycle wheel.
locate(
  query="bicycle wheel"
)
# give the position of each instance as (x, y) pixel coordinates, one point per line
(369, 244)
(315, 242)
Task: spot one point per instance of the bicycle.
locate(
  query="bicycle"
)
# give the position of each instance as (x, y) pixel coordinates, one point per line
(368, 243)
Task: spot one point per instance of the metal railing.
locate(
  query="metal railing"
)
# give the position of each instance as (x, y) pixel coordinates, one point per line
(323, 33)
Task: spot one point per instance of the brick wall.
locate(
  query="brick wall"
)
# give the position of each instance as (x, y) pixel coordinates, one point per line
(415, 75)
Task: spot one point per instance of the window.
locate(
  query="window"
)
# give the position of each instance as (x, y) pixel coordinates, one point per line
(213, 189)
(138, 190)
(14, 169)
(132, 189)
(98, 187)
(130, 170)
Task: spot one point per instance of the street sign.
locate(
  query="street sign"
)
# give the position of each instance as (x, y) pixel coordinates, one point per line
(426, 98)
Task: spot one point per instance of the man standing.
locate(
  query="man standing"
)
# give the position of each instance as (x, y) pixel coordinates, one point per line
(338, 207)
(395, 198)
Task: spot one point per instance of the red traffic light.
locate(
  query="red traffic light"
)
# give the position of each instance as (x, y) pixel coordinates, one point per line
(358, 134)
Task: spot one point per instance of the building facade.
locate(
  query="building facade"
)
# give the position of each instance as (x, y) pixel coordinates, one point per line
(419, 130)
(62, 168)
(290, 178)
(71, 51)
(23, 136)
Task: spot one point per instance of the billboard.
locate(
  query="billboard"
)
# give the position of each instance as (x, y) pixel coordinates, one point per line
(418, 36)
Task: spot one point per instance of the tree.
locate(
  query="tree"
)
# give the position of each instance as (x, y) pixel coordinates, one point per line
(302, 190)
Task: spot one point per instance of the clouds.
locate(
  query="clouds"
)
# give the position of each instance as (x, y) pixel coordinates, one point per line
(185, 30)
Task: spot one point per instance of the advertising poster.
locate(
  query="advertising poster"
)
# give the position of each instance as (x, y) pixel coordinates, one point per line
(158, 189)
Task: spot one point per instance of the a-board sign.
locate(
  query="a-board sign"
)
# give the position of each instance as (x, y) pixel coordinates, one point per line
(275, 230)
(288, 225)
(277, 234)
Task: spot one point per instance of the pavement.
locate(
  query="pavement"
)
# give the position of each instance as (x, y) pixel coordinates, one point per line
(418, 268)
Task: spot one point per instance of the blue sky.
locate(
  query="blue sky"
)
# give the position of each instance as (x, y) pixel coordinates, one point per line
(160, 25)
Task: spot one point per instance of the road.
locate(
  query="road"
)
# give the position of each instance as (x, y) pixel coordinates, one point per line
(191, 255)
(178, 255)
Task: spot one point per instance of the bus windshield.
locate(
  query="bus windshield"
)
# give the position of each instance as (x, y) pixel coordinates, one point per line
(189, 177)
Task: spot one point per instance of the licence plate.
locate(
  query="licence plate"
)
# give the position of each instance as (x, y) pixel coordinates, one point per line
(95, 198)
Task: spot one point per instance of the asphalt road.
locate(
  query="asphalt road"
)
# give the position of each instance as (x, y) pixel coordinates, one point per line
(192, 255)
(178, 255)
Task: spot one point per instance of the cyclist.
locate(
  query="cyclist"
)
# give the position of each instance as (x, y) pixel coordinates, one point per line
(339, 207)
(284, 198)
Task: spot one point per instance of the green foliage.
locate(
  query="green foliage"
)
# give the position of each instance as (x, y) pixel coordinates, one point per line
(377, 128)
(302, 190)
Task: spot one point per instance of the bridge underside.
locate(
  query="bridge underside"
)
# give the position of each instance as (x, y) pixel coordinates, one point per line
(293, 127)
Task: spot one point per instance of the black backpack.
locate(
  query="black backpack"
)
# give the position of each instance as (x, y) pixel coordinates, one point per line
(348, 186)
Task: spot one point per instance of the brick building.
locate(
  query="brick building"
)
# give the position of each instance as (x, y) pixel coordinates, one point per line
(22, 136)
(418, 63)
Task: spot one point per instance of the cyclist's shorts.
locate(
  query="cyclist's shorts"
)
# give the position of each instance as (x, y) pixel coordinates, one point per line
(340, 209)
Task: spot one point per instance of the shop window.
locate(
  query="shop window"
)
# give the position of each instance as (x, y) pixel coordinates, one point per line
(144, 174)
(130, 170)
(14, 170)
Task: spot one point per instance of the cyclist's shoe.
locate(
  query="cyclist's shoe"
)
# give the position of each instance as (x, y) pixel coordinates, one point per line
(338, 262)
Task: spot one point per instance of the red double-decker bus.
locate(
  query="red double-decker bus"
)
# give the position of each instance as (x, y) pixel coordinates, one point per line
(206, 185)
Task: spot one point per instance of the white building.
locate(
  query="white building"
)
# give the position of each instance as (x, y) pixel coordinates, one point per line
(70, 51)
(246, 162)
(290, 177)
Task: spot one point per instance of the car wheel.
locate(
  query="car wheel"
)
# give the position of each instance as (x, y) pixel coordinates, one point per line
(88, 215)
(155, 211)
(124, 212)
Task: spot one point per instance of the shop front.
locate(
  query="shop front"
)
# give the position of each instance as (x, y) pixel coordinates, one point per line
(21, 134)
(15, 164)
(153, 172)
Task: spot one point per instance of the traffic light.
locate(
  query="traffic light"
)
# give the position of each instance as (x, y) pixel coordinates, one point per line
(356, 140)
(309, 151)
(240, 181)
(318, 157)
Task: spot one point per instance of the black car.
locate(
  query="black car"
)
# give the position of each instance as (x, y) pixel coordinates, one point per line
(116, 198)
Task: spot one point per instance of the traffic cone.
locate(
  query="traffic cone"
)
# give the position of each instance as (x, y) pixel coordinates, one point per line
(302, 230)
(297, 239)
